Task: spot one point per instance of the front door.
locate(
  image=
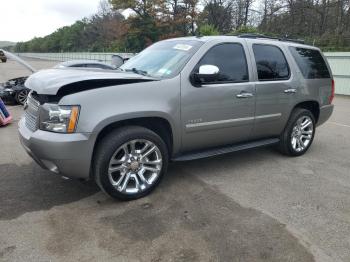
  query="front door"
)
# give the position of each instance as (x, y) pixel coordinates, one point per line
(221, 110)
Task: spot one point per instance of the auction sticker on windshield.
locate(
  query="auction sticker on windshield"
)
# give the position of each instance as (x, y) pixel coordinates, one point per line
(183, 47)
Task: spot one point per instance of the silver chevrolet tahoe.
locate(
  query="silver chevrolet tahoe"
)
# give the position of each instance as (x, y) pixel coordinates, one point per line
(178, 100)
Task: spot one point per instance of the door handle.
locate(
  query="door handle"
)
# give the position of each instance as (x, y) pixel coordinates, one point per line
(290, 91)
(244, 95)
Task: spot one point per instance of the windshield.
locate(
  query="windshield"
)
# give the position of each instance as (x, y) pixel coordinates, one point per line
(164, 59)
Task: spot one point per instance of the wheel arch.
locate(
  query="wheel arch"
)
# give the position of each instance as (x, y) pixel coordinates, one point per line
(311, 105)
(159, 125)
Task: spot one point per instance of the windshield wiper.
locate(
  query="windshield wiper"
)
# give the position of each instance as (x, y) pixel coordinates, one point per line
(137, 71)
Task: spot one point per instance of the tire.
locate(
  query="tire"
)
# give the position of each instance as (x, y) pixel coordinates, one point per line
(113, 167)
(298, 134)
(4, 60)
(21, 96)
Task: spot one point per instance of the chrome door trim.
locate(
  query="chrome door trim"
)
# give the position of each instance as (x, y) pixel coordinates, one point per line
(268, 116)
(193, 127)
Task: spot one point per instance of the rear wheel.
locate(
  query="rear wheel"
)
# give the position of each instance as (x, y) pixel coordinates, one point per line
(130, 162)
(4, 60)
(299, 133)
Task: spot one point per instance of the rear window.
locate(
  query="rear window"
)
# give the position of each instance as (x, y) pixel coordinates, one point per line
(271, 63)
(310, 62)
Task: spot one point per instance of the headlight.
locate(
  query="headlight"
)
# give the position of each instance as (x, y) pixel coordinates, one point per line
(59, 119)
(9, 90)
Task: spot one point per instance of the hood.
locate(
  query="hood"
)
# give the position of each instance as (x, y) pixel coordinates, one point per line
(19, 60)
(66, 81)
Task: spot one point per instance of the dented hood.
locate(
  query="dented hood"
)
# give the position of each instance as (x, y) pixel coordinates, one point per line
(52, 81)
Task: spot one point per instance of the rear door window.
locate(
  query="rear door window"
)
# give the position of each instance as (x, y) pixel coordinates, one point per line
(310, 63)
(271, 63)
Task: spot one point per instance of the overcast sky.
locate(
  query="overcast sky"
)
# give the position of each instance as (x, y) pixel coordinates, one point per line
(21, 20)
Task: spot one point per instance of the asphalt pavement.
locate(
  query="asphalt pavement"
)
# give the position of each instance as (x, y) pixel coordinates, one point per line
(250, 206)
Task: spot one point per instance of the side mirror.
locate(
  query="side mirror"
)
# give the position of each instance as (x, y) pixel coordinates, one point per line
(206, 74)
(208, 70)
(117, 61)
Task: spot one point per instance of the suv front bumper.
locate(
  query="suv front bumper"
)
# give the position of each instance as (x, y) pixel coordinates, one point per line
(65, 154)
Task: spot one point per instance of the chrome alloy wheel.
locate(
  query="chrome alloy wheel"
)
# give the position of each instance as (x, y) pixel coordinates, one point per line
(302, 133)
(135, 166)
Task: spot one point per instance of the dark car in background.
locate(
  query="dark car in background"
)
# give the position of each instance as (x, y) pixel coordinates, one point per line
(14, 90)
(3, 57)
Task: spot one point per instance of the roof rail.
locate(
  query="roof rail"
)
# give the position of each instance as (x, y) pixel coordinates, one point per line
(256, 36)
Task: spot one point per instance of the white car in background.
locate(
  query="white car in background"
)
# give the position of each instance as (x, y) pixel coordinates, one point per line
(95, 64)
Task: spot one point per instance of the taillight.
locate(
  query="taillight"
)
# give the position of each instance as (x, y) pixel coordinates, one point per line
(333, 91)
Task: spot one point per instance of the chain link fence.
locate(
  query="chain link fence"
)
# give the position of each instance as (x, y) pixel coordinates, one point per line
(103, 57)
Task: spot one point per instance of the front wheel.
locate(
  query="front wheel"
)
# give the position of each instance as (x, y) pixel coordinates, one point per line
(130, 162)
(299, 133)
(21, 96)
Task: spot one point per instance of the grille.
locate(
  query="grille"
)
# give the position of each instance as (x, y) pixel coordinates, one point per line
(31, 114)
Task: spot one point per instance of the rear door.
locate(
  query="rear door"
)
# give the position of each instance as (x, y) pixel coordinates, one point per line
(220, 111)
(315, 74)
(276, 88)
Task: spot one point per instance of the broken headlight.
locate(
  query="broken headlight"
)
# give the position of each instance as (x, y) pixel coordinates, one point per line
(59, 119)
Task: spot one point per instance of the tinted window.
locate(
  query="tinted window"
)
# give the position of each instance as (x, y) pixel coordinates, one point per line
(231, 61)
(310, 62)
(78, 65)
(96, 66)
(106, 67)
(270, 62)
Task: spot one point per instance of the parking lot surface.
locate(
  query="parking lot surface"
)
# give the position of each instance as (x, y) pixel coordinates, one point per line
(255, 205)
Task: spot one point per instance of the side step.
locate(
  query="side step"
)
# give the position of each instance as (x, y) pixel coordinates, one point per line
(224, 150)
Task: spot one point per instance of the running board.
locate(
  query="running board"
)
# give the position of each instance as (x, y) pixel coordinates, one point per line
(224, 150)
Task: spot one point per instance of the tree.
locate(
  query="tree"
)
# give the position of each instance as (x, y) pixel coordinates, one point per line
(143, 8)
(325, 23)
(206, 30)
(219, 14)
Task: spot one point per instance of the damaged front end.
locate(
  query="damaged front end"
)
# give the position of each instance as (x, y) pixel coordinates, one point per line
(49, 87)
(49, 129)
